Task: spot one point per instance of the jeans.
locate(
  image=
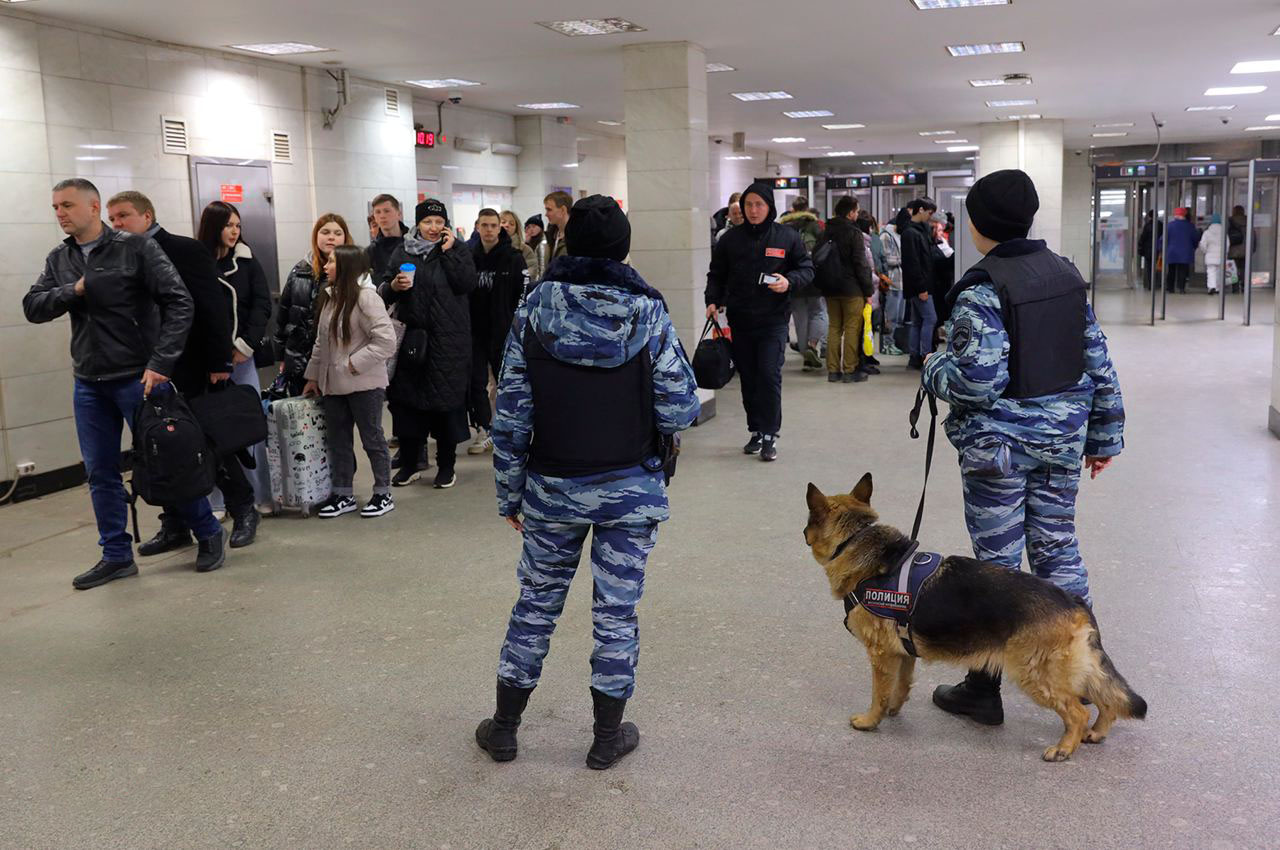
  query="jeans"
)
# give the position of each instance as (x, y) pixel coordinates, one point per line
(893, 309)
(101, 409)
(924, 318)
(845, 337)
(343, 414)
(759, 353)
(810, 314)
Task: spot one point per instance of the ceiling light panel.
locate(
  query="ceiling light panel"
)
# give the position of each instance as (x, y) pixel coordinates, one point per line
(873, 162)
(1030, 116)
(937, 132)
(930, 5)
(951, 141)
(281, 48)
(1223, 108)
(547, 106)
(1227, 91)
(1246, 129)
(985, 49)
(841, 153)
(996, 104)
(810, 113)
(748, 96)
(592, 26)
(1002, 81)
(788, 140)
(610, 123)
(1275, 117)
(961, 148)
(821, 148)
(843, 126)
(1258, 66)
(446, 83)
(735, 158)
(719, 67)
(1119, 124)
(1109, 135)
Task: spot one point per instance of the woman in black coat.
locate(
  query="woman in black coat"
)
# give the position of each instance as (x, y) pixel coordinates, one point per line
(428, 393)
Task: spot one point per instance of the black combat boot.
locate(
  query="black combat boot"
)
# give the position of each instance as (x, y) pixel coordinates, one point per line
(244, 527)
(614, 739)
(497, 735)
(172, 535)
(977, 697)
(212, 553)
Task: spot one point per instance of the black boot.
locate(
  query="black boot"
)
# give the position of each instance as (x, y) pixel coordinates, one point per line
(977, 697)
(212, 553)
(614, 739)
(172, 535)
(244, 527)
(497, 735)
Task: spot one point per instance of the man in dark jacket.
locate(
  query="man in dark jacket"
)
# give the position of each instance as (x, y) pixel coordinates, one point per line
(391, 233)
(130, 315)
(753, 268)
(501, 275)
(845, 303)
(206, 360)
(918, 278)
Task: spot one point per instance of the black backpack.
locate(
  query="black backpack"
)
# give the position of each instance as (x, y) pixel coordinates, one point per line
(173, 462)
(713, 358)
(828, 269)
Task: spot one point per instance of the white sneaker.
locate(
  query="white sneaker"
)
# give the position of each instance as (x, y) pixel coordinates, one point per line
(481, 444)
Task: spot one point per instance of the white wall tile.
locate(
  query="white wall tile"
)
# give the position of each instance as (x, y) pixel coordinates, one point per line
(231, 81)
(25, 147)
(178, 71)
(112, 60)
(77, 103)
(137, 157)
(59, 51)
(280, 87)
(26, 197)
(19, 45)
(25, 246)
(50, 445)
(138, 110)
(32, 349)
(21, 97)
(32, 399)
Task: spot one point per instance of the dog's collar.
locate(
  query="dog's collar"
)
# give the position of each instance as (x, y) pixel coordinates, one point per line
(848, 541)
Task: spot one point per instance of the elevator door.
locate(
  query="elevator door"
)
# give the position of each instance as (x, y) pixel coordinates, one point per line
(246, 185)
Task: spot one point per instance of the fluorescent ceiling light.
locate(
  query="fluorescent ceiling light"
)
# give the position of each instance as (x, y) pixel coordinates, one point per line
(970, 159)
(788, 140)
(1109, 135)
(1210, 108)
(841, 153)
(718, 67)
(961, 148)
(928, 5)
(843, 126)
(570, 165)
(123, 147)
(87, 158)
(985, 49)
(450, 167)
(1226, 91)
(1259, 66)
(1119, 124)
(281, 48)
(1272, 117)
(446, 83)
(592, 26)
(610, 123)
(1030, 116)
(937, 132)
(761, 95)
(1001, 81)
(951, 141)
(821, 148)
(996, 104)
(873, 162)
(1199, 158)
(733, 158)
(810, 113)
(547, 106)
(1246, 129)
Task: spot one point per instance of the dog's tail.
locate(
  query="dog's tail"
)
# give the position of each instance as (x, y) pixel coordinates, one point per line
(1103, 683)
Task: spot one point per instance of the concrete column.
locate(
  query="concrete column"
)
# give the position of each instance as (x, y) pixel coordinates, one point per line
(1036, 148)
(1273, 413)
(548, 161)
(665, 89)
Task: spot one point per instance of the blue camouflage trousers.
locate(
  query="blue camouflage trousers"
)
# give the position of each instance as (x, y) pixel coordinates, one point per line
(1034, 506)
(547, 565)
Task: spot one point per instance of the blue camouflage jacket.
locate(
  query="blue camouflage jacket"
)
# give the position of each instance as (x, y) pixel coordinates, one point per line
(591, 312)
(972, 373)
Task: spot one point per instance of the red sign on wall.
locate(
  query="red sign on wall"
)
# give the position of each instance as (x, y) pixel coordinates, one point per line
(232, 193)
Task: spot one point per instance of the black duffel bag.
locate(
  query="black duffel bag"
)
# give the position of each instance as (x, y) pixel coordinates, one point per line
(231, 416)
(713, 359)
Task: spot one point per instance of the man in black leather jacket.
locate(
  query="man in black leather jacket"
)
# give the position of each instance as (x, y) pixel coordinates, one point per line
(130, 314)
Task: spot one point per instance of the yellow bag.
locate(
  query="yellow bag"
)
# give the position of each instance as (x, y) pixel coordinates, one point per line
(868, 338)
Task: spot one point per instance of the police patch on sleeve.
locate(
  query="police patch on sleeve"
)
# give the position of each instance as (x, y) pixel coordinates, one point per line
(962, 337)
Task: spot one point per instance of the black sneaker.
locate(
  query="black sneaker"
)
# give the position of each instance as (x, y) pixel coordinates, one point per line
(380, 504)
(103, 572)
(212, 553)
(445, 480)
(337, 506)
(753, 446)
(869, 368)
(405, 476)
(855, 377)
(395, 460)
(833, 377)
(769, 449)
(167, 539)
(977, 697)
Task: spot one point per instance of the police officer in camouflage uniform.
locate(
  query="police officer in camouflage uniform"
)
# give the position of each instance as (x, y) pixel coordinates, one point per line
(1034, 398)
(592, 372)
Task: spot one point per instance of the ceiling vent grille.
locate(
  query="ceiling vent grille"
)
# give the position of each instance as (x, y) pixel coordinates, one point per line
(392, 101)
(281, 147)
(173, 131)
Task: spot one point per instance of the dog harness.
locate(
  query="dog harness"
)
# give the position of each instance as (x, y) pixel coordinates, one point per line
(893, 595)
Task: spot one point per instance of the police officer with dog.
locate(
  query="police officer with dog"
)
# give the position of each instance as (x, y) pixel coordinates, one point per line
(593, 379)
(1034, 399)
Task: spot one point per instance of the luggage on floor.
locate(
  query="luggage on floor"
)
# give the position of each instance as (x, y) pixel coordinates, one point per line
(296, 454)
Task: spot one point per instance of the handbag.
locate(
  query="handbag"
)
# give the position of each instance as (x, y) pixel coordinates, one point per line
(413, 348)
(1232, 273)
(868, 332)
(713, 358)
(231, 417)
(399, 328)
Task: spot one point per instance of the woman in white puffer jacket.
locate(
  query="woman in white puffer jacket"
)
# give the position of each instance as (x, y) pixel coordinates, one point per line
(1211, 244)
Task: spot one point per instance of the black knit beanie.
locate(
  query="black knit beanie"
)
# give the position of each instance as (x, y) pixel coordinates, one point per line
(1003, 205)
(598, 228)
(430, 207)
(535, 219)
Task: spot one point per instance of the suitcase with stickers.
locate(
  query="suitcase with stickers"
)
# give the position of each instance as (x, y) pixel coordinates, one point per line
(296, 454)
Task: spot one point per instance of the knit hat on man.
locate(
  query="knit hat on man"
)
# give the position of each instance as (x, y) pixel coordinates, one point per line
(430, 207)
(1003, 205)
(598, 228)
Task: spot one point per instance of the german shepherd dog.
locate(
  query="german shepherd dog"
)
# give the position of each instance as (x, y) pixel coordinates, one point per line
(975, 614)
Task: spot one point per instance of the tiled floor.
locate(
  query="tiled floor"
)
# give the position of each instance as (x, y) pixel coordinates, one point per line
(321, 690)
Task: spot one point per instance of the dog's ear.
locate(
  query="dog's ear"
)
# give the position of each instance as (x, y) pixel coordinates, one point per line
(817, 501)
(862, 492)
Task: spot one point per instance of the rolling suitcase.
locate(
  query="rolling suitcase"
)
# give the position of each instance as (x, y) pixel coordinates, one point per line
(296, 454)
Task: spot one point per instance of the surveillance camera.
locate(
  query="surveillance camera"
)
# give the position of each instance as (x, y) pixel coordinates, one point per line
(718, 140)
(1226, 120)
(1159, 125)
(455, 97)
(1079, 153)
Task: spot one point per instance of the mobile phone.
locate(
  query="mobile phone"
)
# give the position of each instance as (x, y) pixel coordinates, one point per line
(769, 279)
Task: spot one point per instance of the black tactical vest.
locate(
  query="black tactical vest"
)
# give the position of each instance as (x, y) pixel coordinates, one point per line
(1043, 303)
(588, 419)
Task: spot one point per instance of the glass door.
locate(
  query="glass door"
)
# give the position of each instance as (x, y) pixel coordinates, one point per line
(1116, 236)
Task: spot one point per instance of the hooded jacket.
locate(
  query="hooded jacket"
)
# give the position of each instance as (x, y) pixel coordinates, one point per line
(501, 273)
(251, 297)
(917, 258)
(380, 251)
(595, 313)
(855, 275)
(135, 312)
(748, 251)
(359, 363)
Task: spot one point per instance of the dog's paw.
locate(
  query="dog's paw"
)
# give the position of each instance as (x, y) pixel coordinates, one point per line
(1056, 753)
(1094, 737)
(864, 722)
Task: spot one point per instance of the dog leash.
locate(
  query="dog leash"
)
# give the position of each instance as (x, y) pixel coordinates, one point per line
(921, 395)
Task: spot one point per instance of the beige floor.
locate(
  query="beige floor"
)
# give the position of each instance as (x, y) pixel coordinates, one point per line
(321, 690)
